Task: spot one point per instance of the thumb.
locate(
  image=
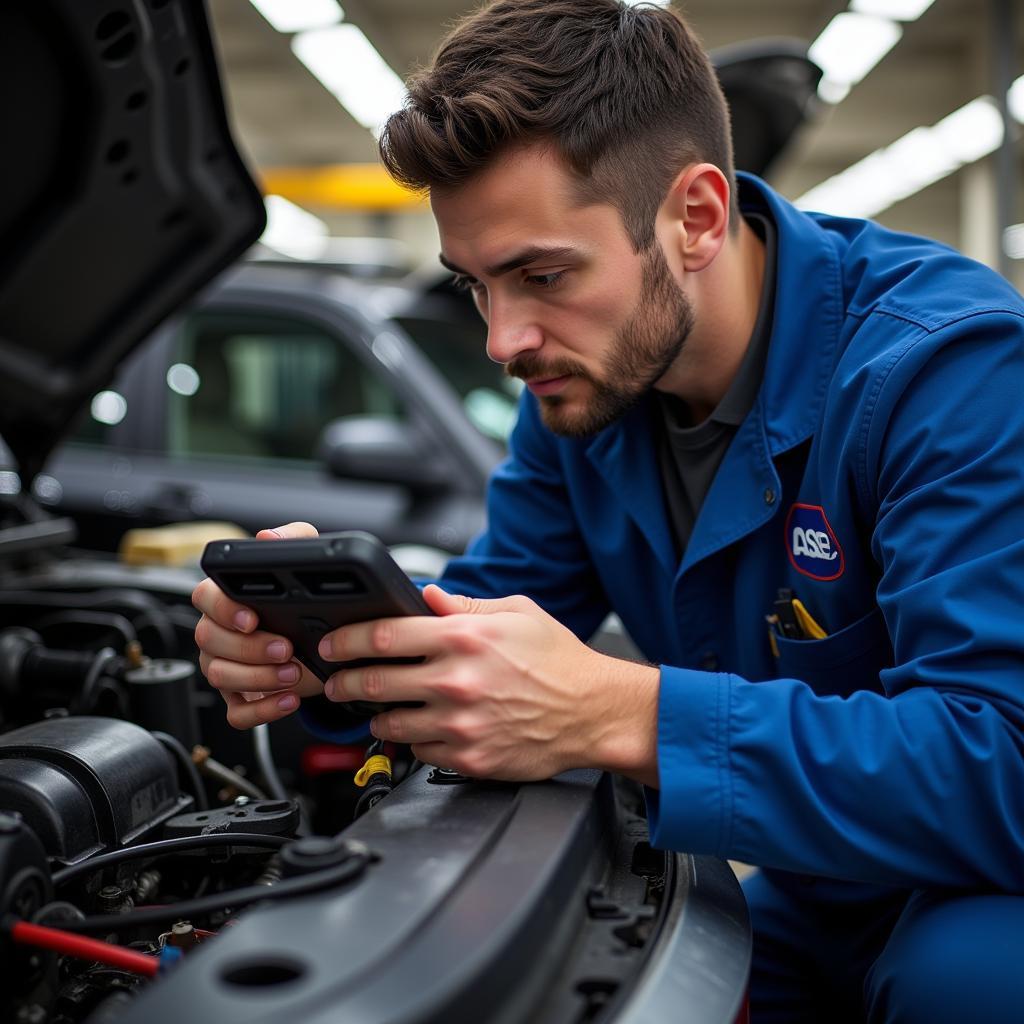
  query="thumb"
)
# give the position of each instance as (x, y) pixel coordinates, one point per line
(288, 531)
(443, 603)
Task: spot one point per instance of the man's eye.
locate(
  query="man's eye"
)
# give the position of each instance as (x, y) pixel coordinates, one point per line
(546, 280)
(464, 283)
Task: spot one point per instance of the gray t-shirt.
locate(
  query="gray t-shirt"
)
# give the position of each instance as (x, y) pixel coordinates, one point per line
(689, 454)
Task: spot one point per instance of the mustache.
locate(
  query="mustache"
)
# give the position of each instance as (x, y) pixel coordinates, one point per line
(530, 367)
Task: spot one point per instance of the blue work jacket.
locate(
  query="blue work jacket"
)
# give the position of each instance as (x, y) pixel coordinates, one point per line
(880, 477)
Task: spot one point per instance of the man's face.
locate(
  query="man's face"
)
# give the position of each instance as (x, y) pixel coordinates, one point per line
(571, 309)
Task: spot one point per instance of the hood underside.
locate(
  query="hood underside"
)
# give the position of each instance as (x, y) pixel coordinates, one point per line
(121, 194)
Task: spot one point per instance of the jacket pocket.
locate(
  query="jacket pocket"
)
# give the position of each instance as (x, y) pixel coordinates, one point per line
(842, 663)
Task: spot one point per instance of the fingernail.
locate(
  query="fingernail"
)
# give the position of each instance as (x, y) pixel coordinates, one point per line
(289, 702)
(244, 620)
(329, 688)
(277, 650)
(288, 673)
(324, 648)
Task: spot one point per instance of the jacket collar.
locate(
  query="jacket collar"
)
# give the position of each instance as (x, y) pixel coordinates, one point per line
(808, 318)
(805, 332)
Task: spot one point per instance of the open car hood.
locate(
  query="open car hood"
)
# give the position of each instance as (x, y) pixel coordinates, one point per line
(771, 86)
(121, 194)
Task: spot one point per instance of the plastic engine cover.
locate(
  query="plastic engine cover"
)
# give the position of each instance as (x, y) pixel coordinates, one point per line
(85, 785)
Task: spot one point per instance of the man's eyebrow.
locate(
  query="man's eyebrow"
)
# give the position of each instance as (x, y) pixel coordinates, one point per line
(521, 259)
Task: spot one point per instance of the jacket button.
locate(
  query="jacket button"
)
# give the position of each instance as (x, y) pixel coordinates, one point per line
(709, 661)
(769, 496)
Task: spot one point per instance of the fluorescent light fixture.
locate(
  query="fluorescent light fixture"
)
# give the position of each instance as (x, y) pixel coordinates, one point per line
(351, 69)
(898, 10)
(293, 231)
(910, 164)
(1015, 99)
(1013, 241)
(832, 92)
(299, 15)
(849, 47)
(971, 132)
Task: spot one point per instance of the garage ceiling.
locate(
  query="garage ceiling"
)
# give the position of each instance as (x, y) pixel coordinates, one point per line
(284, 116)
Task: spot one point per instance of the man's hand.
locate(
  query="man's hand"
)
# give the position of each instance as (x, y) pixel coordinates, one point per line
(508, 692)
(254, 671)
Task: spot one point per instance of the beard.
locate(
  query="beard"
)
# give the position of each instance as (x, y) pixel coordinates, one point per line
(641, 353)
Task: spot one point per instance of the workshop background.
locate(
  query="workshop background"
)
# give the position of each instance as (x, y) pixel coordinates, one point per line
(908, 128)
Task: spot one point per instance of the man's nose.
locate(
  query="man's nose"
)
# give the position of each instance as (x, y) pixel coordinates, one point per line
(508, 335)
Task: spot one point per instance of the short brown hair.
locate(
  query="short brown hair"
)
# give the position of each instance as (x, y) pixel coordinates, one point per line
(626, 94)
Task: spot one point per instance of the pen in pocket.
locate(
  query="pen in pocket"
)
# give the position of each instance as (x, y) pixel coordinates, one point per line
(791, 620)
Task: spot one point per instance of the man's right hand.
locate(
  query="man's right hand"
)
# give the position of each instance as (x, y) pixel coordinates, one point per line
(254, 671)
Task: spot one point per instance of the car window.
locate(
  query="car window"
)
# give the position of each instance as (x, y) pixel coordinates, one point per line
(458, 349)
(264, 386)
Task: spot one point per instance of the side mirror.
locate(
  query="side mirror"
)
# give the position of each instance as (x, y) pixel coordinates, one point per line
(379, 450)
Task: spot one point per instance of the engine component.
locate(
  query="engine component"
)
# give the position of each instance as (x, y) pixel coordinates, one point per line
(183, 936)
(85, 785)
(113, 899)
(222, 773)
(24, 888)
(266, 817)
(33, 677)
(315, 853)
(159, 697)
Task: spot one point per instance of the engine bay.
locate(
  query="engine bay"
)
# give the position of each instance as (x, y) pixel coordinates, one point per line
(116, 823)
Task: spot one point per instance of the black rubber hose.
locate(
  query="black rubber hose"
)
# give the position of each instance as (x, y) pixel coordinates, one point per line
(325, 878)
(165, 847)
(87, 696)
(187, 766)
(91, 620)
(141, 606)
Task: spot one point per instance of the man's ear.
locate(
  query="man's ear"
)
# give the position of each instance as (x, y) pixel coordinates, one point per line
(696, 215)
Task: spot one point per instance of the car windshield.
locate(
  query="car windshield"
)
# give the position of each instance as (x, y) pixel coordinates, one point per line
(457, 349)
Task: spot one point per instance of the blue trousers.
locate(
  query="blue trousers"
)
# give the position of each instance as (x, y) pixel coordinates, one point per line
(892, 957)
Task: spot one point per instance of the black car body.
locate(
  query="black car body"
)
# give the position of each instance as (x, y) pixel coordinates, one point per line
(294, 392)
(447, 899)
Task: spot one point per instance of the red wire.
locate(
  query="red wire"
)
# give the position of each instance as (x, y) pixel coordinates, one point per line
(85, 949)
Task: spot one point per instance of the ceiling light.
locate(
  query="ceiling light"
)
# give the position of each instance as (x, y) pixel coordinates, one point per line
(849, 47)
(351, 69)
(299, 15)
(910, 164)
(971, 132)
(832, 92)
(898, 10)
(293, 231)
(1015, 99)
(1013, 241)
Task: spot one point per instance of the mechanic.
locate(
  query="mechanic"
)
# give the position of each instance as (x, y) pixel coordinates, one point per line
(786, 449)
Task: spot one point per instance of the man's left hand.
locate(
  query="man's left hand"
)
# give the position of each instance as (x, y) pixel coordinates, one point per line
(508, 692)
